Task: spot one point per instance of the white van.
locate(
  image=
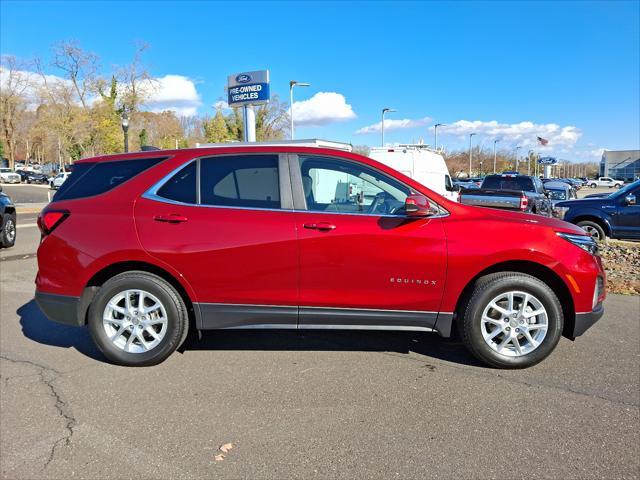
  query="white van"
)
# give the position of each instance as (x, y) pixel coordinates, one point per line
(419, 162)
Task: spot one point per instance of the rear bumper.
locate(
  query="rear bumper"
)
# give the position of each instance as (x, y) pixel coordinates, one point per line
(59, 308)
(584, 321)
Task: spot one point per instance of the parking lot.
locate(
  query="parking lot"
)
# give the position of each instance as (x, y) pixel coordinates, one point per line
(312, 404)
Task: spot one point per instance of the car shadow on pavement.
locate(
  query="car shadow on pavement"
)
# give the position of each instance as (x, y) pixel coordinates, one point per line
(38, 328)
(429, 345)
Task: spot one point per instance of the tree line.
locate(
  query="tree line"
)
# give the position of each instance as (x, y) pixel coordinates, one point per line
(67, 107)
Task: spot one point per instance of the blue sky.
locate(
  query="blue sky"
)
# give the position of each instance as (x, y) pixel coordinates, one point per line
(569, 71)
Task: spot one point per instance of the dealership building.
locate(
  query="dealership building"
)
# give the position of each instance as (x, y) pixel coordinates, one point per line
(620, 164)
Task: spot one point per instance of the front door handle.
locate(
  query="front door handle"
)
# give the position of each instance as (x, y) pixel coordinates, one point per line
(322, 226)
(173, 218)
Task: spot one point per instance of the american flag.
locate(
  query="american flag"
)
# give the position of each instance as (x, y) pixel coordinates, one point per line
(542, 141)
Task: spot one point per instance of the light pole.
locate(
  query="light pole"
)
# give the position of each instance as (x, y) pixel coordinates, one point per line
(125, 128)
(516, 162)
(435, 134)
(470, 153)
(385, 110)
(494, 154)
(292, 84)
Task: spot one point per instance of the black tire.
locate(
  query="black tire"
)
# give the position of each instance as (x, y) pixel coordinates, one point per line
(592, 185)
(177, 316)
(8, 230)
(594, 229)
(487, 288)
(618, 186)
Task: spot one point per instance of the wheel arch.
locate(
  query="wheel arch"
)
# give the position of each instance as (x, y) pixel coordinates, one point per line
(593, 218)
(101, 276)
(545, 274)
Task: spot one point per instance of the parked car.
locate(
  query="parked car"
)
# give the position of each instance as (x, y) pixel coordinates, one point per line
(23, 174)
(559, 191)
(465, 184)
(141, 247)
(36, 177)
(9, 176)
(7, 220)
(617, 215)
(57, 181)
(510, 192)
(606, 182)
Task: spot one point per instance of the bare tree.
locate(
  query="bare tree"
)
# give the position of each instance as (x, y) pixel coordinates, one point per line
(14, 83)
(80, 68)
(137, 81)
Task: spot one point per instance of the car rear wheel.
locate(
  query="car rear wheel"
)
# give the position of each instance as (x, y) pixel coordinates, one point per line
(593, 185)
(8, 232)
(593, 229)
(138, 319)
(512, 320)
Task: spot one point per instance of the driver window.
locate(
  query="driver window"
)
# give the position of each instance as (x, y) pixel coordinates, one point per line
(333, 185)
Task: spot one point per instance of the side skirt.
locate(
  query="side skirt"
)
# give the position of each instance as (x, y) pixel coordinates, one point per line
(215, 316)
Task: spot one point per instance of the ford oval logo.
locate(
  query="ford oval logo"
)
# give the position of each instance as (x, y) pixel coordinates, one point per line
(243, 78)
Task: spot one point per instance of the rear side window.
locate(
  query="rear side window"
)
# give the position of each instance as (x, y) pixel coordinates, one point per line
(240, 181)
(89, 179)
(182, 186)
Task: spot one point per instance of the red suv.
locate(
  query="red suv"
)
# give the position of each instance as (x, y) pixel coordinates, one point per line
(141, 247)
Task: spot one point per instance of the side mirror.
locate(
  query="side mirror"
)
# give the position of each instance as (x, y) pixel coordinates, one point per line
(453, 188)
(630, 199)
(417, 205)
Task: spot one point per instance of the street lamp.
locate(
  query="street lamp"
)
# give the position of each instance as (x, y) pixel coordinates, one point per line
(292, 84)
(435, 134)
(516, 162)
(125, 129)
(470, 153)
(494, 154)
(385, 110)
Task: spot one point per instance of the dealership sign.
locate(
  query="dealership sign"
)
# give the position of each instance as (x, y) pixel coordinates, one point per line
(547, 161)
(248, 88)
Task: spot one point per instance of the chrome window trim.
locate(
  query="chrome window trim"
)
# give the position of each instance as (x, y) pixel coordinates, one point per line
(152, 192)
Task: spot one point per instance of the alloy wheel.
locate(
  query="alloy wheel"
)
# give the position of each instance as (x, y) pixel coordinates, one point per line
(135, 321)
(514, 323)
(10, 230)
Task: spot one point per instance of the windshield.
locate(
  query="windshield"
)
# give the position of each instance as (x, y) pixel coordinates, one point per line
(557, 194)
(623, 191)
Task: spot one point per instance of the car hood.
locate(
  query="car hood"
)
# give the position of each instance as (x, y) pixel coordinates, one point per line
(594, 202)
(528, 218)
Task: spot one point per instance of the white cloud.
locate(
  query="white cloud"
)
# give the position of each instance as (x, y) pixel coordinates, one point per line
(321, 109)
(221, 104)
(393, 124)
(173, 92)
(523, 133)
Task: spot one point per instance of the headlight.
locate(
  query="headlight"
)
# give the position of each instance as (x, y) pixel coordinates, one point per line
(560, 212)
(585, 242)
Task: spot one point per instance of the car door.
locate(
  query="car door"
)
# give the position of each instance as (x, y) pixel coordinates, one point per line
(627, 216)
(363, 263)
(226, 223)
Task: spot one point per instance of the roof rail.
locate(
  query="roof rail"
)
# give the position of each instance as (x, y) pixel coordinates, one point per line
(312, 142)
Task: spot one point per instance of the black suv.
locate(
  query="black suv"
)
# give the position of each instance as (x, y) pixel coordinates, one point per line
(8, 217)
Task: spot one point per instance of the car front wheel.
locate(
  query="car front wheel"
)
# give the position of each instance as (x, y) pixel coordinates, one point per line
(512, 320)
(138, 319)
(8, 230)
(593, 229)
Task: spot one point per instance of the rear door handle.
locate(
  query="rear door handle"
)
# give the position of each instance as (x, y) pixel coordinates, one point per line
(173, 218)
(322, 226)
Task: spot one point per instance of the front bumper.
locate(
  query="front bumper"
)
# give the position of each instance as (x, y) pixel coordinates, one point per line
(60, 308)
(584, 321)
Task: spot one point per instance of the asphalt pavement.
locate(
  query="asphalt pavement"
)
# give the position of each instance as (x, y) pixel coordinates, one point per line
(310, 405)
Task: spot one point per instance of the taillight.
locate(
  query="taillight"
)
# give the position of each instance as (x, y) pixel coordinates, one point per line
(49, 220)
(524, 203)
